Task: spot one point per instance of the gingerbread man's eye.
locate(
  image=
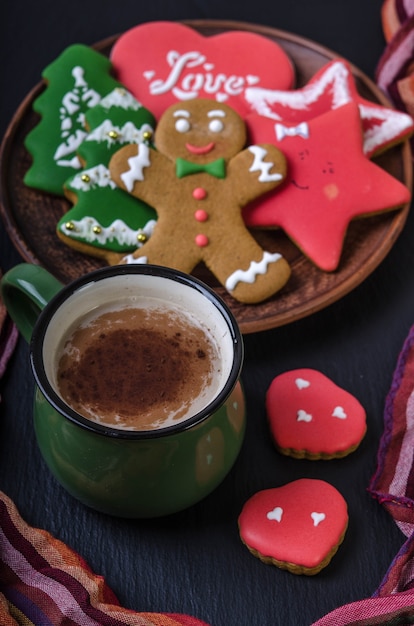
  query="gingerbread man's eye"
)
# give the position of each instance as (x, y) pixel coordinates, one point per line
(216, 126)
(182, 125)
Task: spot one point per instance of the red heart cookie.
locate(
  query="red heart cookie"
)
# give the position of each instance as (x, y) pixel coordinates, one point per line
(297, 527)
(311, 417)
(165, 62)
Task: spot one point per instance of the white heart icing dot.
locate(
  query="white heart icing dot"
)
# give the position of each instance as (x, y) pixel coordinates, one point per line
(317, 518)
(275, 514)
(303, 416)
(339, 412)
(301, 383)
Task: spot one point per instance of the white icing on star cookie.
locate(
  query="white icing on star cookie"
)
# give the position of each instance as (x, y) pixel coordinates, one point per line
(331, 88)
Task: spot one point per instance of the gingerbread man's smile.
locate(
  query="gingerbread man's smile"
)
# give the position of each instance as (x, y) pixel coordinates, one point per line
(200, 149)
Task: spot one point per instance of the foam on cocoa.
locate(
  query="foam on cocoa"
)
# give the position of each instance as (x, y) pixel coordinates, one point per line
(139, 368)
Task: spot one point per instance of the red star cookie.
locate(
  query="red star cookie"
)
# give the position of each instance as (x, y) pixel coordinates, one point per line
(166, 62)
(330, 88)
(329, 182)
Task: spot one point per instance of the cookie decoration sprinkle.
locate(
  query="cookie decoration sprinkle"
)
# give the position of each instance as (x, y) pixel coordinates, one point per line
(113, 134)
(147, 135)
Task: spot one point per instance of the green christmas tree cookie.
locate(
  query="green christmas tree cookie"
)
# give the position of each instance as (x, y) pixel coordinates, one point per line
(105, 221)
(75, 82)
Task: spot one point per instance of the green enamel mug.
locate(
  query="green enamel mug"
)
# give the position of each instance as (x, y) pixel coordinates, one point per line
(130, 469)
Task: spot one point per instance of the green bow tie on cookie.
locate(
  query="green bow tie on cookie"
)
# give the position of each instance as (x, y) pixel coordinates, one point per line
(215, 168)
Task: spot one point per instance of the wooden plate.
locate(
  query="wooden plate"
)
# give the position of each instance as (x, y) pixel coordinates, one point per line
(30, 216)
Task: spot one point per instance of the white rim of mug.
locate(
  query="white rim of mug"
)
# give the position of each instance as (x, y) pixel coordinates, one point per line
(42, 381)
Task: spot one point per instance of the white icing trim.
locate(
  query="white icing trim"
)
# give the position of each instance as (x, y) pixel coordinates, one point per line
(99, 176)
(121, 98)
(129, 258)
(336, 75)
(71, 105)
(128, 133)
(73, 163)
(69, 147)
(259, 165)
(136, 167)
(255, 268)
(393, 124)
(118, 230)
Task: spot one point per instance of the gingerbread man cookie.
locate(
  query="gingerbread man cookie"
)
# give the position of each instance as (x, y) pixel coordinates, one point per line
(198, 179)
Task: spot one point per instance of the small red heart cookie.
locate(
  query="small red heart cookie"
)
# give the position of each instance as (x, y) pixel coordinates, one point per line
(297, 527)
(165, 62)
(311, 417)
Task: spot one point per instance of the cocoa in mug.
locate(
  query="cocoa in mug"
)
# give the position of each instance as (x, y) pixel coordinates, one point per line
(138, 368)
(138, 408)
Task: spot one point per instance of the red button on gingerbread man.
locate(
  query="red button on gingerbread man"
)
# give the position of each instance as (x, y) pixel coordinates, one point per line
(200, 169)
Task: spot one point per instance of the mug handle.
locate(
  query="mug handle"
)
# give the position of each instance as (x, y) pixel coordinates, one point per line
(26, 289)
